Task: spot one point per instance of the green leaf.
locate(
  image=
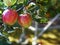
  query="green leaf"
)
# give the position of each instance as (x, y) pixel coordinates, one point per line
(43, 20)
(24, 2)
(20, 1)
(9, 2)
(53, 2)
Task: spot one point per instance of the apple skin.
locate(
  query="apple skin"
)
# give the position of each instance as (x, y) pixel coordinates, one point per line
(25, 20)
(9, 16)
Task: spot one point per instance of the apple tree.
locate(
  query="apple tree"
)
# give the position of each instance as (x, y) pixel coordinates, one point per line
(16, 16)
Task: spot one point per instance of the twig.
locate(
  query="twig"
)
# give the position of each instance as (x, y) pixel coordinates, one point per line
(5, 27)
(51, 27)
(48, 25)
(36, 26)
(35, 32)
(22, 7)
(22, 37)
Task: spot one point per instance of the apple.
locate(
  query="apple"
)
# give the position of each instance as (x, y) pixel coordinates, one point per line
(9, 2)
(9, 16)
(25, 20)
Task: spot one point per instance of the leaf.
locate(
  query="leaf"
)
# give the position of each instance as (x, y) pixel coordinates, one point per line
(20, 1)
(43, 20)
(9, 2)
(24, 2)
(53, 2)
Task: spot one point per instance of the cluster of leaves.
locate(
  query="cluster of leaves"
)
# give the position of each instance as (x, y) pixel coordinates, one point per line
(44, 7)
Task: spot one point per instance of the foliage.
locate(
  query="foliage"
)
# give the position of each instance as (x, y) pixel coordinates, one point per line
(40, 10)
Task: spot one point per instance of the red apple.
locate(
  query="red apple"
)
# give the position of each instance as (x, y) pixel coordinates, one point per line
(25, 20)
(9, 16)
